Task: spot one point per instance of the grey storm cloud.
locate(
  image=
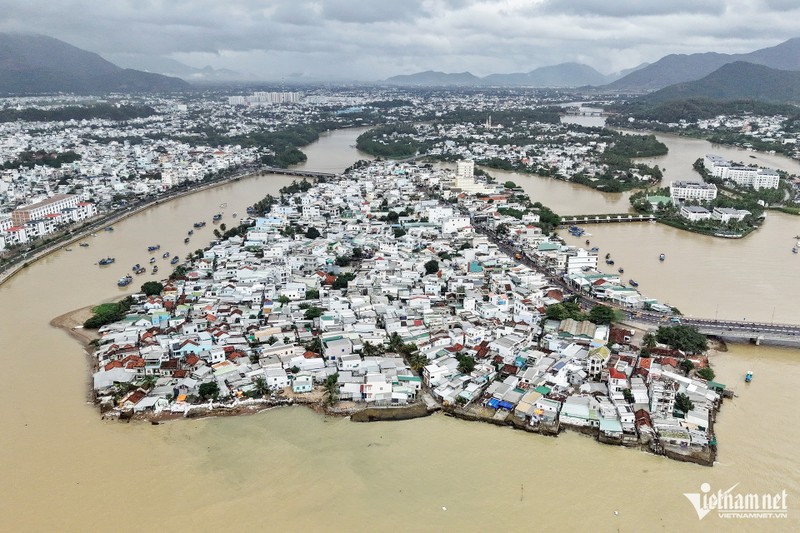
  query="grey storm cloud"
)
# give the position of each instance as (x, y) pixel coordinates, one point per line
(373, 39)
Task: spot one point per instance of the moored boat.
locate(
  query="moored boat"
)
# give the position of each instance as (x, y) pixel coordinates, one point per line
(153, 248)
(140, 270)
(633, 283)
(662, 257)
(199, 224)
(106, 261)
(609, 261)
(174, 261)
(152, 260)
(217, 217)
(748, 377)
(155, 269)
(621, 270)
(165, 255)
(124, 281)
(186, 240)
(84, 245)
(136, 267)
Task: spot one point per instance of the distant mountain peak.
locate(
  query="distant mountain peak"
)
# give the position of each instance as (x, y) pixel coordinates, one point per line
(34, 64)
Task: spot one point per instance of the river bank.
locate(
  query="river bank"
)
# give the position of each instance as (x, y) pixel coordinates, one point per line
(92, 225)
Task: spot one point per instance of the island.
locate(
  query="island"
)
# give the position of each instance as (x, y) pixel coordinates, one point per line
(396, 290)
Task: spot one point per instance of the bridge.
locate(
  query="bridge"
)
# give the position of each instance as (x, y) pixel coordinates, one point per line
(606, 219)
(298, 172)
(729, 330)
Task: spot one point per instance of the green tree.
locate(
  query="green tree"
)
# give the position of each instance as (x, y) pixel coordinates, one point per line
(261, 386)
(466, 363)
(432, 266)
(343, 260)
(312, 233)
(628, 395)
(272, 340)
(706, 373)
(312, 294)
(602, 314)
(313, 312)
(686, 365)
(331, 388)
(209, 390)
(683, 403)
(649, 340)
(395, 342)
(284, 299)
(510, 185)
(684, 338)
(417, 361)
(152, 288)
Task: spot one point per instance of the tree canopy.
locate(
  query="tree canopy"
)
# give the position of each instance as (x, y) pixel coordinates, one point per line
(152, 288)
(684, 338)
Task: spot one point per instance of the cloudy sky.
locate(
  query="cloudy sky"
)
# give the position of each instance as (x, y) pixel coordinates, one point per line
(374, 39)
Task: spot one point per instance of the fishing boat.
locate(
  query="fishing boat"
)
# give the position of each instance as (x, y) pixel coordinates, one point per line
(216, 218)
(609, 261)
(152, 260)
(110, 228)
(136, 267)
(68, 249)
(174, 261)
(186, 240)
(748, 377)
(190, 232)
(662, 257)
(587, 242)
(234, 215)
(250, 210)
(199, 224)
(153, 248)
(155, 269)
(633, 283)
(608, 256)
(106, 261)
(794, 250)
(140, 270)
(84, 245)
(621, 270)
(595, 249)
(124, 281)
(165, 255)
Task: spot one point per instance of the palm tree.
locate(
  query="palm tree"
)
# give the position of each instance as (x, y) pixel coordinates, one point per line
(331, 389)
(261, 386)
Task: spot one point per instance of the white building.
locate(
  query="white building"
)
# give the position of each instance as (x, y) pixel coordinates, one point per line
(726, 214)
(581, 260)
(757, 178)
(695, 213)
(680, 191)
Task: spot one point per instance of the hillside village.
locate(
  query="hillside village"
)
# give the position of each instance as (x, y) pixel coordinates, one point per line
(385, 287)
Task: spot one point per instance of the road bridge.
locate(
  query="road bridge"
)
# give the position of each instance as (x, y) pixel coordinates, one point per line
(728, 330)
(298, 172)
(606, 219)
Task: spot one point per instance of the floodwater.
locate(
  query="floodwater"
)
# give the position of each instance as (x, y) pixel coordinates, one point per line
(64, 469)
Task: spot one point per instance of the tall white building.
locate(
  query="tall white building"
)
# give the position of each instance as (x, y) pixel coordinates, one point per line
(757, 178)
(465, 169)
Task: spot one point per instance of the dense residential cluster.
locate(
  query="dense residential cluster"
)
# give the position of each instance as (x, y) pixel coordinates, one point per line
(379, 287)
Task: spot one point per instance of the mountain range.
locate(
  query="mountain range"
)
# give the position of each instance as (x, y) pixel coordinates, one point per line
(171, 67)
(36, 64)
(561, 75)
(680, 68)
(735, 81)
(669, 70)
